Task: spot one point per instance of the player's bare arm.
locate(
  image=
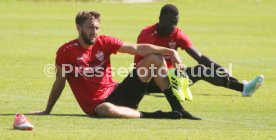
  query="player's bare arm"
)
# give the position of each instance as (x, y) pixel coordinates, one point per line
(203, 59)
(55, 93)
(147, 49)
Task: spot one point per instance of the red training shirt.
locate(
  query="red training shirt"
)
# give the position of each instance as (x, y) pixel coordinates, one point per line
(176, 39)
(91, 76)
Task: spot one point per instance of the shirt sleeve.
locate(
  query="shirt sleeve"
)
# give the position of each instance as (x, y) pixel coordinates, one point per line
(113, 44)
(184, 41)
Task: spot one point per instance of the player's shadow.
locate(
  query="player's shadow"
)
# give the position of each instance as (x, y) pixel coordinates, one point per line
(73, 115)
(62, 115)
(205, 94)
(158, 95)
(161, 95)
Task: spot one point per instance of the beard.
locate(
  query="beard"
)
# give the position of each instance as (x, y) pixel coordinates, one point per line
(87, 39)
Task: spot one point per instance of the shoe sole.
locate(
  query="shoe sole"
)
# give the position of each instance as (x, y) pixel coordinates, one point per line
(23, 127)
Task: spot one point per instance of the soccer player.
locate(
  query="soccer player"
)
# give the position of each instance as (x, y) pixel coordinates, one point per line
(85, 63)
(165, 33)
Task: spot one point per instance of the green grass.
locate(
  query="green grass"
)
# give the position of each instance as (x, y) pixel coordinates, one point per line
(238, 32)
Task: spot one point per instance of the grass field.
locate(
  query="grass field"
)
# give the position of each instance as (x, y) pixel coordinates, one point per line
(238, 32)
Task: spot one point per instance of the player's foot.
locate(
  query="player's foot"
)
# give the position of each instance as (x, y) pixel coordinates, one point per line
(250, 87)
(186, 115)
(167, 115)
(186, 89)
(177, 85)
(180, 85)
(22, 123)
(186, 83)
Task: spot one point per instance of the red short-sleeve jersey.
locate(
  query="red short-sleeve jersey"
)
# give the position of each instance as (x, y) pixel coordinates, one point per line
(176, 39)
(89, 70)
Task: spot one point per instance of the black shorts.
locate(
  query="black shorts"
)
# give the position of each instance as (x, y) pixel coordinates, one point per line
(152, 87)
(129, 93)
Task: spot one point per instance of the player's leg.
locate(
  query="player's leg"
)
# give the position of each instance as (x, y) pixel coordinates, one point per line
(153, 66)
(125, 99)
(174, 103)
(201, 72)
(162, 81)
(220, 78)
(109, 110)
(158, 74)
(152, 87)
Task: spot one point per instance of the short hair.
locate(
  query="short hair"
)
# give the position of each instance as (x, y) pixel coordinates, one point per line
(82, 16)
(169, 9)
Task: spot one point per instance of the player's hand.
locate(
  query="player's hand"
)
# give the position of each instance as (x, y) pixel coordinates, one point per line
(39, 113)
(176, 61)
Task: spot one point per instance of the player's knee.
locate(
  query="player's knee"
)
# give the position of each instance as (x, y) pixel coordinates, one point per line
(155, 59)
(105, 109)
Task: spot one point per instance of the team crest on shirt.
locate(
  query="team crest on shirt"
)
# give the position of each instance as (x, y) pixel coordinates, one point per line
(172, 44)
(100, 56)
(79, 58)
